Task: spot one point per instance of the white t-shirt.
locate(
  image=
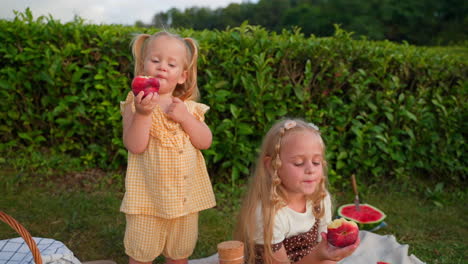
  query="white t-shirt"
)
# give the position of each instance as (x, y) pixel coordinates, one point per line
(290, 223)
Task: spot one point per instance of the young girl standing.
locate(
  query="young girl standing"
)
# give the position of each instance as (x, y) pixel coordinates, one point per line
(166, 183)
(287, 207)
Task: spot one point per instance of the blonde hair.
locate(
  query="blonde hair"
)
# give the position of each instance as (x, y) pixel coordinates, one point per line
(265, 189)
(186, 90)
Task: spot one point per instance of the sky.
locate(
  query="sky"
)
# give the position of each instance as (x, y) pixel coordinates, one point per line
(125, 12)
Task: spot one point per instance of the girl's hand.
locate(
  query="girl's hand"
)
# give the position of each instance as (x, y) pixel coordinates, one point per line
(145, 106)
(329, 252)
(177, 111)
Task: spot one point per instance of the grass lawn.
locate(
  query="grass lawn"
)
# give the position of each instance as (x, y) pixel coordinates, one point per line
(82, 211)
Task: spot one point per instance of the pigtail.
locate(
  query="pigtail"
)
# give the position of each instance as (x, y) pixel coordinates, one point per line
(189, 90)
(138, 45)
(319, 197)
(276, 164)
(277, 197)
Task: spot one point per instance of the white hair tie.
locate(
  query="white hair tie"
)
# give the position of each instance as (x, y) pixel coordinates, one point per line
(314, 126)
(289, 124)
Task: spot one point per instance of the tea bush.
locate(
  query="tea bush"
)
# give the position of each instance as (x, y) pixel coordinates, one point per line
(385, 110)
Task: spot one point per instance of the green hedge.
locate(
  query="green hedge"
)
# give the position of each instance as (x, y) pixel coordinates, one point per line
(386, 110)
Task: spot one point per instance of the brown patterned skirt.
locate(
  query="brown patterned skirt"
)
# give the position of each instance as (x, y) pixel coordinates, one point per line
(297, 246)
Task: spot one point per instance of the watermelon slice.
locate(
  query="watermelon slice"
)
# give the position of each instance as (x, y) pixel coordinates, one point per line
(367, 217)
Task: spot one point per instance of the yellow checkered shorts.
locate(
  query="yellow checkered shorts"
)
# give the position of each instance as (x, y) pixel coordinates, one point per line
(146, 237)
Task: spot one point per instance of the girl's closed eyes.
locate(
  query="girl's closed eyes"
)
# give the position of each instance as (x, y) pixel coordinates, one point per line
(301, 162)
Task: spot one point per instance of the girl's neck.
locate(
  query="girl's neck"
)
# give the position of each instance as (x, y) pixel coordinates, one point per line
(165, 101)
(298, 203)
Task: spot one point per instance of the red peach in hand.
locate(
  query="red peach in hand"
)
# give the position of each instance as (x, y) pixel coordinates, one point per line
(147, 84)
(342, 233)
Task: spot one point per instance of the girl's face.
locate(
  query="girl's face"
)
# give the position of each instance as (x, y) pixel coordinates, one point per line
(301, 168)
(166, 59)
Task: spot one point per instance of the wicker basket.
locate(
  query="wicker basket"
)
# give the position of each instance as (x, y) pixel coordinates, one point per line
(24, 234)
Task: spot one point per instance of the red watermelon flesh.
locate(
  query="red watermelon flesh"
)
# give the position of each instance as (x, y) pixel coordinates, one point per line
(365, 213)
(366, 217)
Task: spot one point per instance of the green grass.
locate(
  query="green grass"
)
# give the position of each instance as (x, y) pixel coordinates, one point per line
(82, 211)
(435, 234)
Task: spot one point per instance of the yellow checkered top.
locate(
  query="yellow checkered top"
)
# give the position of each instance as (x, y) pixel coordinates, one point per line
(170, 178)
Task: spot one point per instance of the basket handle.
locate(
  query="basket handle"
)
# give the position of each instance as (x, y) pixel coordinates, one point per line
(24, 234)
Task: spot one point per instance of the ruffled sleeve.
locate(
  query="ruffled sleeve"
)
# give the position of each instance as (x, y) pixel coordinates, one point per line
(128, 100)
(197, 109)
(280, 228)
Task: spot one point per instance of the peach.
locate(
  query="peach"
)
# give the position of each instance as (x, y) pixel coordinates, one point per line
(342, 233)
(147, 84)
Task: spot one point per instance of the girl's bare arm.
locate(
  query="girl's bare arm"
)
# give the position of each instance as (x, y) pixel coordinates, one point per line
(137, 125)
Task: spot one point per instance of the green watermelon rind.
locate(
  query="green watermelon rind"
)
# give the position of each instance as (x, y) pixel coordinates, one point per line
(362, 225)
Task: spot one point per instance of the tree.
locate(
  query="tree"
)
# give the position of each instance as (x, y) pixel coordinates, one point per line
(269, 13)
(236, 14)
(309, 18)
(419, 22)
(161, 19)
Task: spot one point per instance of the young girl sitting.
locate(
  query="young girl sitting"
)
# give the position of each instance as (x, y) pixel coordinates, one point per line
(286, 210)
(167, 183)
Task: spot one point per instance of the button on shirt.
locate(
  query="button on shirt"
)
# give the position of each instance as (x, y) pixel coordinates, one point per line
(170, 178)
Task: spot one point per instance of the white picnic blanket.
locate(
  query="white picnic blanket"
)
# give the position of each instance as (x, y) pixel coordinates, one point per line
(16, 251)
(373, 248)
